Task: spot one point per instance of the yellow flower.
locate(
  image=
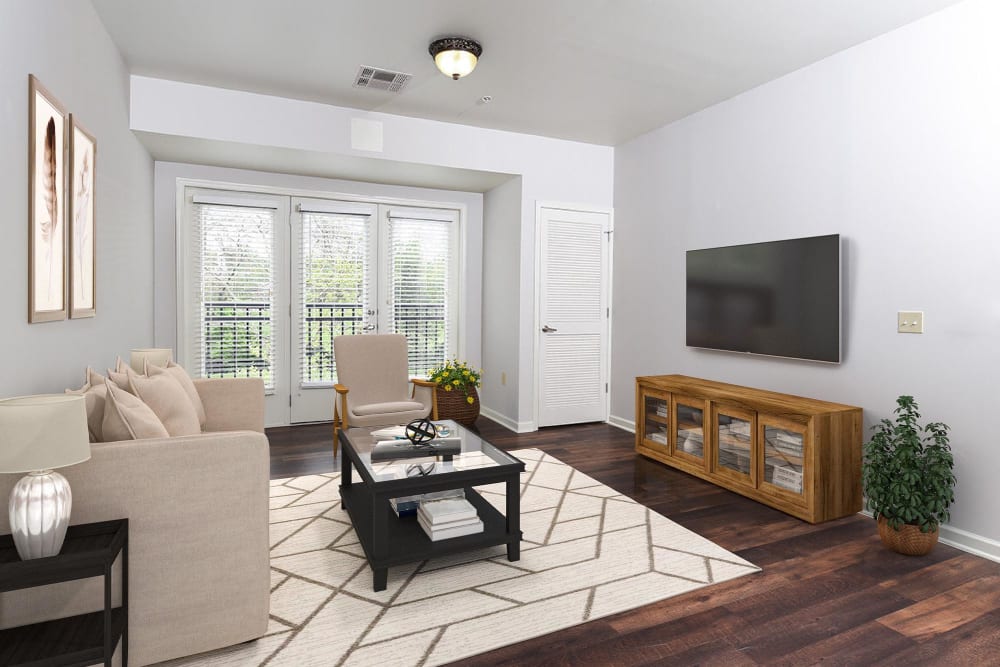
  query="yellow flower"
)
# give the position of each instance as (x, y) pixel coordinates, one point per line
(470, 400)
(455, 382)
(447, 387)
(465, 373)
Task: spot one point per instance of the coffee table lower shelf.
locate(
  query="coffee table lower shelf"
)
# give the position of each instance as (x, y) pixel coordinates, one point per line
(406, 541)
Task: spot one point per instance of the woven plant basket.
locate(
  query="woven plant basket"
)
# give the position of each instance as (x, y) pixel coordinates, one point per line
(453, 405)
(908, 539)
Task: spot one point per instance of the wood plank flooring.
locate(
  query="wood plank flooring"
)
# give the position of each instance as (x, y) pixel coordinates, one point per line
(828, 593)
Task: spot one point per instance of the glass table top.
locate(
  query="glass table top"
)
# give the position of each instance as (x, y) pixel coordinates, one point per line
(388, 455)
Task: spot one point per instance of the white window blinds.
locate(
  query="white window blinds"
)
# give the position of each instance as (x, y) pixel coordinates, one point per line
(422, 258)
(233, 273)
(335, 288)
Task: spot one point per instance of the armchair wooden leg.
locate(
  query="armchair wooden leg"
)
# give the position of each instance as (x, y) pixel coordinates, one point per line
(336, 437)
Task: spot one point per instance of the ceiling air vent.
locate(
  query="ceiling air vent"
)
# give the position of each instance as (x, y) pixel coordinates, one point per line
(381, 79)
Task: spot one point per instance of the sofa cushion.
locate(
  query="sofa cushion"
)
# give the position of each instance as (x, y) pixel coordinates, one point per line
(186, 383)
(128, 418)
(384, 408)
(120, 379)
(167, 399)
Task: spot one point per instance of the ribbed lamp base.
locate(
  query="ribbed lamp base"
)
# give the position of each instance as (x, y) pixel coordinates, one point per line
(40, 504)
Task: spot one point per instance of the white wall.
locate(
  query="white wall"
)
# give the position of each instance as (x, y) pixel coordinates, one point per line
(65, 45)
(895, 144)
(550, 169)
(167, 173)
(501, 252)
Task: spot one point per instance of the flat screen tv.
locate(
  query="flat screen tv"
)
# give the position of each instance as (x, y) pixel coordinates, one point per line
(780, 298)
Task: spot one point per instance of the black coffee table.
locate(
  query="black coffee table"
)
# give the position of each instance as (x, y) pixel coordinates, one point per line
(389, 540)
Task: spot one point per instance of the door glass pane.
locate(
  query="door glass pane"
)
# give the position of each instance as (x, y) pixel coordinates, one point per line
(690, 430)
(422, 290)
(335, 290)
(234, 286)
(783, 458)
(734, 438)
(657, 418)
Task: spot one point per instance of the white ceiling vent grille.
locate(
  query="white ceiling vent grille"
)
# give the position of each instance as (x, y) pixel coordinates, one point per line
(381, 79)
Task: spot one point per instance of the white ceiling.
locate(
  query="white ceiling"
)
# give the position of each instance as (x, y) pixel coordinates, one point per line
(599, 71)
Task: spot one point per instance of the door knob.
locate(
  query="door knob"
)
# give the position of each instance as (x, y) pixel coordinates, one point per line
(548, 329)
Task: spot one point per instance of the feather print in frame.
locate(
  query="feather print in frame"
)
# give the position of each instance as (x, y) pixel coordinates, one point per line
(82, 248)
(47, 125)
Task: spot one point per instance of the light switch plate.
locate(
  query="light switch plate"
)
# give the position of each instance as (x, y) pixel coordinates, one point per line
(910, 321)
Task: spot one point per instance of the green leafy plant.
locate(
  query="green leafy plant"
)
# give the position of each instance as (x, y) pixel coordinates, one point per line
(907, 471)
(457, 375)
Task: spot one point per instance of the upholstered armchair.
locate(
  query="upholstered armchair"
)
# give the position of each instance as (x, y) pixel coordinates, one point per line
(374, 385)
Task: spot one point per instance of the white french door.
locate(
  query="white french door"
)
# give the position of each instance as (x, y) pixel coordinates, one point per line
(334, 293)
(361, 268)
(573, 336)
(265, 282)
(233, 291)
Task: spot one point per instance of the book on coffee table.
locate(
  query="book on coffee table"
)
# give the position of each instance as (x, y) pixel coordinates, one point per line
(436, 534)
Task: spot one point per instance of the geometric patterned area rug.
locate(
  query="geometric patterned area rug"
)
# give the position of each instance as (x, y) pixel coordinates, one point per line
(588, 552)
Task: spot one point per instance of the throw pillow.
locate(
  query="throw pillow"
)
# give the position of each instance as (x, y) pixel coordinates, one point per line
(94, 378)
(187, 383)
(120, 379)
(94, 396)
(128, 418)
(168, 400)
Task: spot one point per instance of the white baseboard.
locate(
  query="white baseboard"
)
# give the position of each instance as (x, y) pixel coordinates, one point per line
(622, 423)
(977, 545)
(507, 422)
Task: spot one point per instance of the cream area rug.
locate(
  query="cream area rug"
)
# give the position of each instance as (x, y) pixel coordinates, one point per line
(588, 552)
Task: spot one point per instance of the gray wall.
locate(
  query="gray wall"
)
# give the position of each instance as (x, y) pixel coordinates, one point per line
(895, 144)
(65, 45)
(501, 299)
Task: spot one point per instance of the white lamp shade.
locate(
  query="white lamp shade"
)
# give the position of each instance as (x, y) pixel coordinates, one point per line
(156, 356)
(43, 432)
(455, 62)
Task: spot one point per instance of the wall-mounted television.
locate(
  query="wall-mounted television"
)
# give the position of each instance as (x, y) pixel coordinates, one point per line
(780, 298)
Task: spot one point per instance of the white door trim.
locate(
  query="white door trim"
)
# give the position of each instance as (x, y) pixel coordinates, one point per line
(536, 320)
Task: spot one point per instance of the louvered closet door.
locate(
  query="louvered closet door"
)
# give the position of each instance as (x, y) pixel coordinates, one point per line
(333, 294)
(573, 317)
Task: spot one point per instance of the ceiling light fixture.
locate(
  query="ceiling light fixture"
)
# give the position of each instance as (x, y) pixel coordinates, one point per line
(455, 56)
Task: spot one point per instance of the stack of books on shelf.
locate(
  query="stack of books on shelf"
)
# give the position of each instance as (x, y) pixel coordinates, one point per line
(451, 517)
(407, 505)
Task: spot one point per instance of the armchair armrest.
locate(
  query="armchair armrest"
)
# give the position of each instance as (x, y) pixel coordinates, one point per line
(340, 389)
(428, 391)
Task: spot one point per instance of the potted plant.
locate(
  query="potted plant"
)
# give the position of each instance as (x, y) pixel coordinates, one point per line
(457, 397)
(908, 479)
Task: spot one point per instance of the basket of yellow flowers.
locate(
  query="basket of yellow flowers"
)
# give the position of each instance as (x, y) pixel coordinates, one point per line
(457, 397)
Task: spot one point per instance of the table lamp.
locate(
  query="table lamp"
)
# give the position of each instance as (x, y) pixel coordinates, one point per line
(37, 434)
(156, 356)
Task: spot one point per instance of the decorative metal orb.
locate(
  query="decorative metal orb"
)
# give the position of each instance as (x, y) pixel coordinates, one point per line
(421, 431)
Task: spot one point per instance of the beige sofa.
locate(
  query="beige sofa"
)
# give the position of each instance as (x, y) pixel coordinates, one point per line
(198, 534)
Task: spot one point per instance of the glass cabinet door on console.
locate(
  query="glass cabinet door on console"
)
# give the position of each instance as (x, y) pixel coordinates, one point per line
(654, 421)
(784, 452)
(689, 430)
(734, 455)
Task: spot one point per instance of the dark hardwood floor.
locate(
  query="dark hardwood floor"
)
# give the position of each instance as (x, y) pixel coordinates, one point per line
(828, 593)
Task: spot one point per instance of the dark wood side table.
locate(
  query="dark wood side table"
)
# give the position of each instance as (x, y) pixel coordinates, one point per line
(89, 551)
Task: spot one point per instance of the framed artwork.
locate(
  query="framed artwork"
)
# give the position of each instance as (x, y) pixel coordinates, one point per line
(47, 124)
(82, 248)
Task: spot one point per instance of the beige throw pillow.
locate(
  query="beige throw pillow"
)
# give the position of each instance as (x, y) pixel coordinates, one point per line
(168, 400)
(120, 379)
(94, 396)
(181, 375)
(128, 418)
